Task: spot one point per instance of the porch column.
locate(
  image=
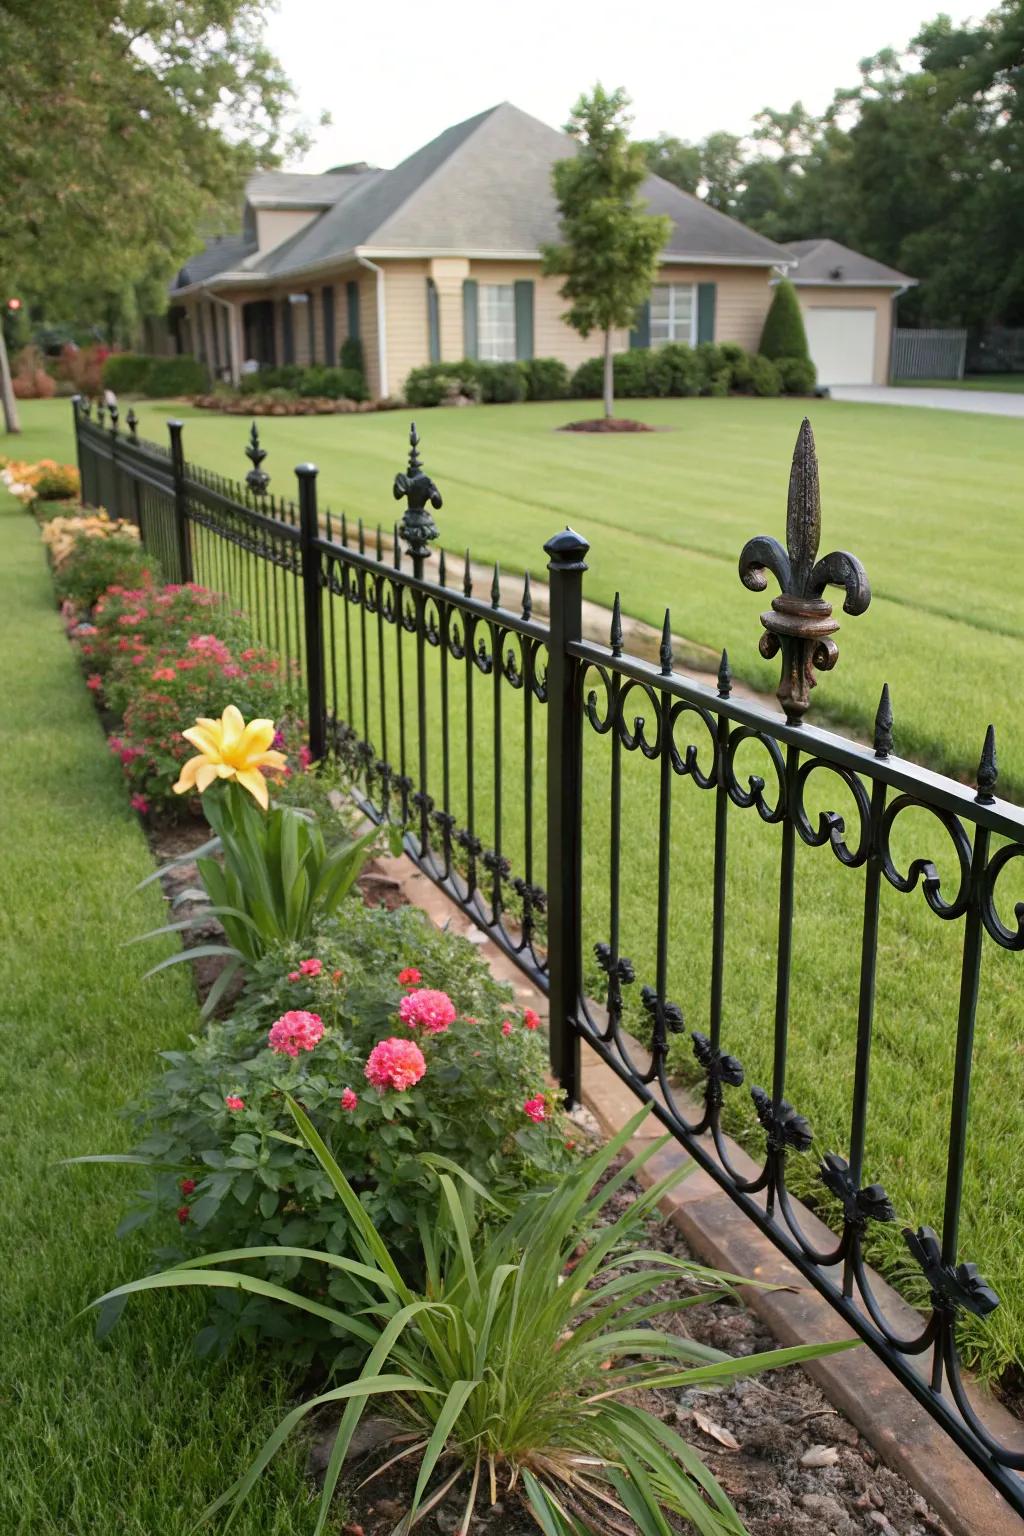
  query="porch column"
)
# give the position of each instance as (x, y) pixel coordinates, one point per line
(449, 273)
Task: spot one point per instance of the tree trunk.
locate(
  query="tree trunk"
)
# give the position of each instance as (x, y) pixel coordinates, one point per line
(10, 408)
(609, 376)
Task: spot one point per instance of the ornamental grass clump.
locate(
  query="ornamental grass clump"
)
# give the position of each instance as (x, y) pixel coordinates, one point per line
(275, 877)
(513, 1368)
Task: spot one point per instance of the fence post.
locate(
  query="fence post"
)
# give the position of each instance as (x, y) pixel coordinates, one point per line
(180, 509)
(76, 412)
(312, 601)
(566, 562)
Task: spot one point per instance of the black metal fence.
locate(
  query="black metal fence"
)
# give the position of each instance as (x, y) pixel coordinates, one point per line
(407, 675)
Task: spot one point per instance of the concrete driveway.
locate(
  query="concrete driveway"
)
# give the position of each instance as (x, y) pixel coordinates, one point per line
(983, 402)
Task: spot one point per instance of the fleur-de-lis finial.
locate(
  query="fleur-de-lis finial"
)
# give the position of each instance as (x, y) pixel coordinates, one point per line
(257, 479)
(800, 623)
(417, 527)
(133, 424)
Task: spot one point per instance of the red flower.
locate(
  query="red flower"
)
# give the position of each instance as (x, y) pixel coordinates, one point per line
(187, 1186)
(348, 1100)
(410, 976)
(94, 683)
(234, 1103)
(536, 1109)
(182, 1214)
(530, 1019)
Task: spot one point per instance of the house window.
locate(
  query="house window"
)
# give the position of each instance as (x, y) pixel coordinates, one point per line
(496, 323)
(673, 313)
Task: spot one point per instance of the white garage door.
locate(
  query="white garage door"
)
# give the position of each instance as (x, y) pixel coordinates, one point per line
(842, 343)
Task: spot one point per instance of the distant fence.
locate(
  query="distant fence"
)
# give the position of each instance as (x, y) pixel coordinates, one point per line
(997, 349)
(928, 354)
(397, 665)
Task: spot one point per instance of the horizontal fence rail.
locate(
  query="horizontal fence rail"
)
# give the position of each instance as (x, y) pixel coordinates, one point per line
(498, 743)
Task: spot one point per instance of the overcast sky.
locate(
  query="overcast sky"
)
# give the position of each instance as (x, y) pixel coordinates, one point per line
(394, 74)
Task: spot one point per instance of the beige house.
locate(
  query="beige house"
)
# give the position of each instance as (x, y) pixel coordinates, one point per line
(849, 308)
(439, 259)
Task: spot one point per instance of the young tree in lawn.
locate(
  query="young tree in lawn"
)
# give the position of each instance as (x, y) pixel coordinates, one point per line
(610, 246)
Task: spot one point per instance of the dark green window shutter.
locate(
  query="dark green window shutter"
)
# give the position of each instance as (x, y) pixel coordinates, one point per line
(433, 322)
(311, 314)
(469, 341)
(640, 335)
(352, 300)
(330, 355)
(706, 311)
(524, 320)
(287, 333)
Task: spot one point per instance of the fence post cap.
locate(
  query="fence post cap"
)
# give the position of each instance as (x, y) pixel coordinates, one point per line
(567, 550)
(307, 471)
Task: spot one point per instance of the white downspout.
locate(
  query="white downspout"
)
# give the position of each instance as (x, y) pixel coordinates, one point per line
(233, 359)
(382, 324)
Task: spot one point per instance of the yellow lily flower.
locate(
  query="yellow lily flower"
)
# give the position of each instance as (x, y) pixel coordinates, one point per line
(230, 749)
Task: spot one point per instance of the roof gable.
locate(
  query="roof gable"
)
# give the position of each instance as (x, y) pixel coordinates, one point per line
(828, 262)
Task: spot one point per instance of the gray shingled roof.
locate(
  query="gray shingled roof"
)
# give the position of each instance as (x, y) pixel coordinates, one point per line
(221, 253)
(835, 265)
(484, 187)
(297, 189)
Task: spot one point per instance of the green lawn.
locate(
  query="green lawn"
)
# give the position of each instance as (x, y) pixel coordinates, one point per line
(133, 1435)
(930, 502)
(667, 515)
(1000, 383)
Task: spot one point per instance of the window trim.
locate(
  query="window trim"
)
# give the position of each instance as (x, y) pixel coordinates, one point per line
(672, 338)
(507, 290)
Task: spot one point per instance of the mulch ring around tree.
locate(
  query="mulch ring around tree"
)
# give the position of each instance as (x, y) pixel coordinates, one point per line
(610, 424)
(791, 1464)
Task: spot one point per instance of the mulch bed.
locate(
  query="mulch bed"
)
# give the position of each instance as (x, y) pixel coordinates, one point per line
(607, 424)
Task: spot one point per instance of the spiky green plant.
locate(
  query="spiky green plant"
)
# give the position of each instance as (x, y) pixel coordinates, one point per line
(510, 1368)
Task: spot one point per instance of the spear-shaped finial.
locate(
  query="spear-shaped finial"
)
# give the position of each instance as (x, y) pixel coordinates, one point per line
(615, 634)
(133, 424)
(724, 676)
(665, 649)
(496, 587)
(988, 769)
(527, 597)
(114, 415)
(467, 578)
(442, 570)
(883, 724)
(257, 479)
(417, 527)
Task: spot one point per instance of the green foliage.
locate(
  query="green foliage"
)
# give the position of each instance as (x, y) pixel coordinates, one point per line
(502, 383)
(94, 564)
(765, 379)
(127, 373)
(783, 334)
(674, 159)
(675, 370)
(292, 381)
(715, 366)
(799, 375)
(253, 1188)
(737, 363)
(170, 376)
(173, 107)
(350, 356)
(547, 378)
(500, 1365)
(437, 383)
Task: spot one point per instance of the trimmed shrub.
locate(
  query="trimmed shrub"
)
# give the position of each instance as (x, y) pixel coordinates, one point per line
(676, 370)
(30, 379)
(547, 378)
(331, 384)
(501, 383)
(765, 379)
(798, 374)
(715, 373)
(350, 355)
(438, 383)
(784, 334)
(127, 373)
(587, 381)
(170, 376)
(738, 363)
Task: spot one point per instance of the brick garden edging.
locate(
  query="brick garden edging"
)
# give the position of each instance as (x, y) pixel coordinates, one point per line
(904, 1436)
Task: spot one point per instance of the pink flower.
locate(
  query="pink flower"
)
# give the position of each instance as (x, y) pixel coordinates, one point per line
(530, 1019)
(140, 804)
(410, 976)
(95, 682)
(164, 675)
(348, 1100)
(506, 1027)
(295, 1031)
(311, 967)
(305, 759)
(395, 1064)
(536, 1109)
(115, 743)
(129, 754)
(434, 1010)
(234, 1103)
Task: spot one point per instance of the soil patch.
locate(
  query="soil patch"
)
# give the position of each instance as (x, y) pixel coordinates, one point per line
(607, 424)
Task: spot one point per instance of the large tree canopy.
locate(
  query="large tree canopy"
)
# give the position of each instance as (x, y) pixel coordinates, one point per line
(125, 125)
(920, 164)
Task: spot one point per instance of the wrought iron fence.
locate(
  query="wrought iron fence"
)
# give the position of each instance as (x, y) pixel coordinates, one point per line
(403, 672)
